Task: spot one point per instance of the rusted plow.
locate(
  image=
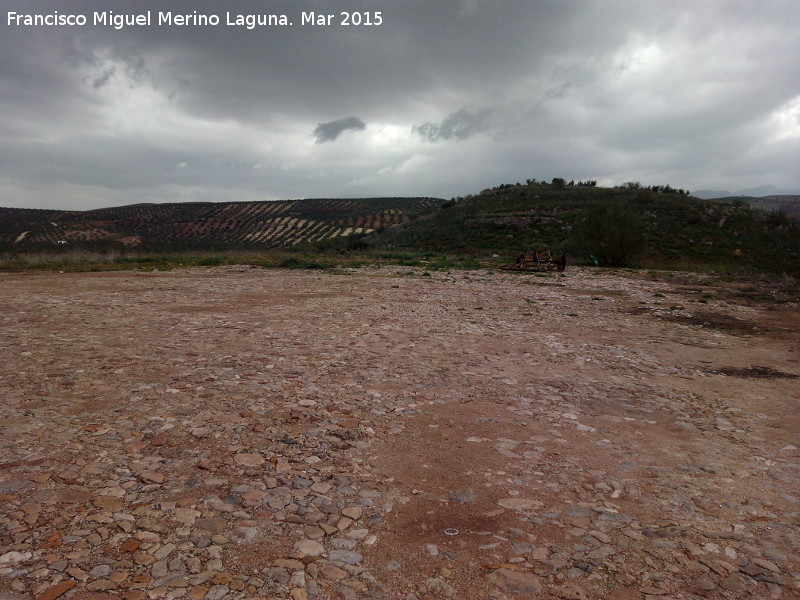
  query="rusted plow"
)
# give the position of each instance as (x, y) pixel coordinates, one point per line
(537, 261)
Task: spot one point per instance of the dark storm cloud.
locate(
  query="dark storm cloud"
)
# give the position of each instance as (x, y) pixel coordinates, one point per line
(327, 132)
(102, 79)
(692, 93)
(458, 125)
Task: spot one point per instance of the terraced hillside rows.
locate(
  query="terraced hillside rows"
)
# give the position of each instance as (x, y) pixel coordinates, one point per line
(787, 204)
(234, 224)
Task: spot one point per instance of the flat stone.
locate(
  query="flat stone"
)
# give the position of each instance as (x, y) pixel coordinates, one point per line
(211, 524)
(353, 512)
(254, 496)
(249, 460)
(14, 557)
(298, 579)
(78, 574)
(277, 502)
(100, 571)
(305, 548)
(650, 590)
(143, 558)
(57, 590)
(704, 582)
(357, 534)
(186, 515)
(328, 529)
(217, 592)
(343, 543)
(765, 564)
(622, 593)
(161, 439)
(111, 503)
(505, 451)
(344, 523)
(152, 477)
(289, 563)
(313, 533)
(321, 487)
(578, 511)
(72, 496)
(221, 505)
(438, 587)
(198, 592)
(723, 424)
(519, 503)
(569, 592)
(463, 496)
(15, 485)
(346, 556)
(734, 583)
(540, 553)
(298, 594)
(516, 582)
(164, 551)
(130, 545)
(775, 554)
(602, 552)
(575, 573)
(600, 536)
(332, 573)
(345, 593)
(614, 517)
(522, 547)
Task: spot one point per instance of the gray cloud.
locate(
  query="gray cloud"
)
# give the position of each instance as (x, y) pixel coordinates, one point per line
(102, 79)
(458, 125)
(695, 93)
(328, 132)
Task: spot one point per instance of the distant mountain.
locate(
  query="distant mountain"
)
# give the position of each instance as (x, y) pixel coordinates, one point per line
(711, 194)
(137, 205)
(768, 190)
(755, 192)
(203, 225)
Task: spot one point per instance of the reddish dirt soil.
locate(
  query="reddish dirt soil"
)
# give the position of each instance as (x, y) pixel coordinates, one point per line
(461, 435)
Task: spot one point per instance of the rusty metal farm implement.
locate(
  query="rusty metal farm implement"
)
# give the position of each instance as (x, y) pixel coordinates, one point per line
(537, 261)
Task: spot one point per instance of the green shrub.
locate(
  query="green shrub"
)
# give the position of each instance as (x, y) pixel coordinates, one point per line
(612, 232)
(211, 261)
(302, 263)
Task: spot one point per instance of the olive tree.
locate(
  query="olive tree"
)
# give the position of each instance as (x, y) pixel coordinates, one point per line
(611, 232)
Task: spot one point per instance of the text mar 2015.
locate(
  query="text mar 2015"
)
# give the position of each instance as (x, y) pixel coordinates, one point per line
(192, 19)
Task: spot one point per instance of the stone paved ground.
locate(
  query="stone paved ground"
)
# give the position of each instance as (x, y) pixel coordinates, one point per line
(236, 433)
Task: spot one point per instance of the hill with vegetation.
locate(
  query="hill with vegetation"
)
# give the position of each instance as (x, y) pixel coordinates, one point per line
(630, 225)
(205, 226)
(668, 228)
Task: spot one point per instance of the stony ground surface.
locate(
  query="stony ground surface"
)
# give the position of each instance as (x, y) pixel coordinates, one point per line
(236, 433)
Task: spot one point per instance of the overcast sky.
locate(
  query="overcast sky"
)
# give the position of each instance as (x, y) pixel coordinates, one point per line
(444, 98)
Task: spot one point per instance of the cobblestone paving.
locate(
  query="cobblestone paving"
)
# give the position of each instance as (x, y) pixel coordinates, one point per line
(236, 433)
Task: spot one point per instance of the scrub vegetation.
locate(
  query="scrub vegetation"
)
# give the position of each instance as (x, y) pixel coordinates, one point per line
(653, 227)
